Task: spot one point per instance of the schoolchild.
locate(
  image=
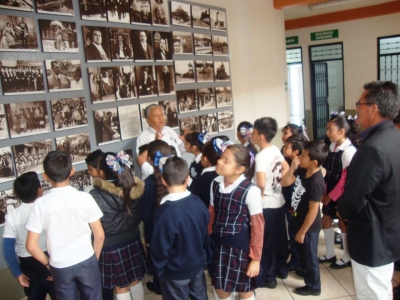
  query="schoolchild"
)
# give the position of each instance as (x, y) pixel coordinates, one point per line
(92, 161)
(122, 259)
(194, 142)
(308, 191)
(342, 134)
(236, 225)
(180, 232)
(30, 273)
(243, 134)
(287, 131)
(269, 168)
(64, 214)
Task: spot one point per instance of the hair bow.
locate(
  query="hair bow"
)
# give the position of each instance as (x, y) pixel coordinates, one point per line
(350, 118)
(160, 160)
(334, 113)
(220, 146)
(251, 158)
(246, 131)
(116, 163)
(204, 137)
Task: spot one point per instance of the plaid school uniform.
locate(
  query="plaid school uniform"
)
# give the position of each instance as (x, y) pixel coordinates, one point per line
(229, 264)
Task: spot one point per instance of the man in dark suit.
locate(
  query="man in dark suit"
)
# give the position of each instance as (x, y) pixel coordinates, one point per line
(146, 88)
(143, 51)
(56, 80)
(371, 198)
(166, 79)
(96, 51)
(120, 49)
(98, 127)
(162, 53)
(108, 132)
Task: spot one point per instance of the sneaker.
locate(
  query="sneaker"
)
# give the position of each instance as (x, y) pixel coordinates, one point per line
(324, 259)
(270, 284)
(150, 286)
(340, 264)
(300, 273)
(306, 291)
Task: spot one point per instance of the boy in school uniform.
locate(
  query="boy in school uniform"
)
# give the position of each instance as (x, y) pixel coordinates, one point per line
(64, 215)
(180, 231)
(309, 187)
(30, 273)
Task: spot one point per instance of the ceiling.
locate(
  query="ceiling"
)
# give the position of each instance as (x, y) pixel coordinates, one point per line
(303, 11)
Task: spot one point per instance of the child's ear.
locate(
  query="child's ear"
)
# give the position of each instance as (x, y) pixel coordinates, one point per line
(296, 153)
(39, 192)
(45, 177)
(315, 162)
(163, 181)
(72, 172)
(240, 170)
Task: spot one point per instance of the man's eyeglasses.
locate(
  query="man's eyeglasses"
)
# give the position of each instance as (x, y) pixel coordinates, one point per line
(358, 103)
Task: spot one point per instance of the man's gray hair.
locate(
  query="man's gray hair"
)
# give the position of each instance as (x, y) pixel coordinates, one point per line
(147, 110)
(385, 95)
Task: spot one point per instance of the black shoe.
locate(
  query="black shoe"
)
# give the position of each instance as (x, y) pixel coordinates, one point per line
(336, 266)
(306, 291)
(282, 274)
(292, 269)
(300, 273)
(327, 260)
(151, 287)
(270, 284)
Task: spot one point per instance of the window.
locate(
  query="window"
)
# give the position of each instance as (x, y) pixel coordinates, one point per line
(389, 59)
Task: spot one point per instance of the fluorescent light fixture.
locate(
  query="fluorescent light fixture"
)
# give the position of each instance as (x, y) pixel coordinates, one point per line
(331, 3)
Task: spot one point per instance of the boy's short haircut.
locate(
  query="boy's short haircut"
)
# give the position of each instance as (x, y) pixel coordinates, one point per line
(26, 187)
(266, 126)
(142, 148)
(297, 142)
(93, 158)
(317, 150)
(175, 171)
(57, 166)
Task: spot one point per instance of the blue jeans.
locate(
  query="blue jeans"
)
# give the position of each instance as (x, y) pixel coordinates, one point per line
(309, 261)
(295, 258)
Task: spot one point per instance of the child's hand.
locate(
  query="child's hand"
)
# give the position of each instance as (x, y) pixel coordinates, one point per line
(254, 268)
(49, 278)
(299, 237)
(325, 200)
(23, 280)
(295, 163)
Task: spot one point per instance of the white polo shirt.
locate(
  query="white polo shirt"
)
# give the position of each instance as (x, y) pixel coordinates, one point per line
(64, 214)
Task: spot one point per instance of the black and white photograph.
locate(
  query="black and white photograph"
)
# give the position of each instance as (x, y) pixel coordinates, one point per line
(184, 71)
(125, 82)
(162, 43)
(29, 157)
(187, 101)
(220, 45)
(222, 72)
(17, 5)
(189, 124)
(140, 12)
(77, 146)
(93, 10)
(142, 46)
(166, 79)
(142, 106)
(3, 123)
(146, 81)
(101, 83)
(118, 11)
(120, 44)
(224, 96)
(59, 7)
(8, 202)
(18, 34)
(182, 42)
(58, 36)
(205, 71)
(69, 113)
(181, 14)
(46, 186)
(208, 123)
(170, 110)
(217, 20)
(202, 44)
(160, 12)
(7, 171)
(129, 117)
(27, 118)
(107, 126)
(225, 120)
(200, 17)
(206, 98)
(82, 181)
(21, 77)
(96, 43)
(64, 75)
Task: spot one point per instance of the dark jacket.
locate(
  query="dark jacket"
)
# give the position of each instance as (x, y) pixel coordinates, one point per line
(371, 198)
(119, 226)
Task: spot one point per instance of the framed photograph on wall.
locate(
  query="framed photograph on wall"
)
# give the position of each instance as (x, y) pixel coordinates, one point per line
(118, 11)
(129, 117)
(93, 10)
(120, 44)
(146, 81)
(182, 42)
(224, 96)
(206, 98)
(200, 17)
(29, 156)
(64, 75)
(225, 120)
(18, 34)
(202, 44)
(222, 71)
(77, 146)
(101, 84)
(55, 7)
(81, 180)
(166, 79)
(69, 113)
(58, 36)
(142, 108)
(125, 82)
(3, 123)
(218, 20)
(204, 70)
(181, 14)
(162, 42)
(208, 123)
(8, 202)
(170, 110)
(96, 43)
(160, 12)
(7, 171)
(140, 12)
(190, 124)
(26, 5)
(220, 45)
(107, 126)
(184, 71)
(187, 101)
(142, 46)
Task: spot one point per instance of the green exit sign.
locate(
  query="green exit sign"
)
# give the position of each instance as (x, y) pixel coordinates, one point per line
(291, 40)
(325, 35)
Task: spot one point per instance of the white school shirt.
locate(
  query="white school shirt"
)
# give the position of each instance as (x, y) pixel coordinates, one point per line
(175, 196)
(269, 161)
(15, 228)
(64, 214)
(348, 152)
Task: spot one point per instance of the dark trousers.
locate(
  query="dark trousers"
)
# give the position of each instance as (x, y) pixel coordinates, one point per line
(309, 261)
(275, 248)
(83, 278)
(295, 256)
(194, 288)
(37, 273)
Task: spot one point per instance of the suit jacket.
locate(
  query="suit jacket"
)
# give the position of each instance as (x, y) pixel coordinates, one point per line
(371, 198)
(140, 54)
(125, 50)
(159, 57)
(107, 131)
(92, 53)
(146, 86)
(53, 82)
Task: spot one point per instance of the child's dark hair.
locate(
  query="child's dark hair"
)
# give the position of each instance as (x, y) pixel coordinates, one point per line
(210, 152)
(266, 126)
(243, 159)
(123, 179)
(173, 150)
(297, 142)
(317, 150)
(165, 150)
(193, 139)
(93, 158)
(142, 148)
(349, 126)
(294, 129)
(175, 171)
(26, 187)
(57, 165)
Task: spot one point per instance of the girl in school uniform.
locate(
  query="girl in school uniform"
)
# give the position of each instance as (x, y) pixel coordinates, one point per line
(236, 225)
(342, 134)
(243, 134)
(194, 142)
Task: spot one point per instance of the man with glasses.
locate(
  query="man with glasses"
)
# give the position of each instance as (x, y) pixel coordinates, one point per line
(371, 198)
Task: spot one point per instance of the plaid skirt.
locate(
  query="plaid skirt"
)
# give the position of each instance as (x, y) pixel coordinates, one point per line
(122, 265)
(228, 270)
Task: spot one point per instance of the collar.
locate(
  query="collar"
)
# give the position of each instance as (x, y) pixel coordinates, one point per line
(209, 169)
(343, 146)
(246, 144)
(231, 187)
(197, 159)
(175, 196)
(366, 132)
(154, 131)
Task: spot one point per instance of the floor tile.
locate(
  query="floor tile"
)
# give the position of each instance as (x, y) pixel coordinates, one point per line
(345, 278)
